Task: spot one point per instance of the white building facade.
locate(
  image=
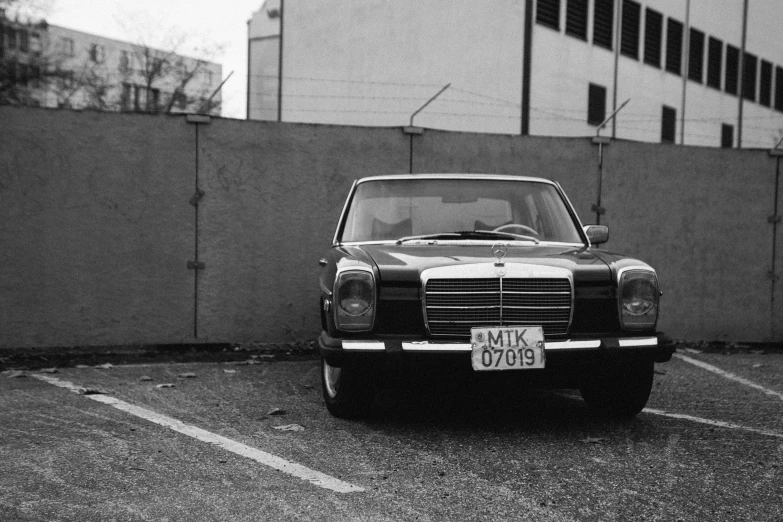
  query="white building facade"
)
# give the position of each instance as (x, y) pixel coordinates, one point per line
(694, 72)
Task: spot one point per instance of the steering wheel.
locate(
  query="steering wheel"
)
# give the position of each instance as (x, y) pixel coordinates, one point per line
(516, 228)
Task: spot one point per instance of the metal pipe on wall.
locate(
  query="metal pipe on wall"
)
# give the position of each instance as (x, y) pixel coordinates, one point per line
(742, 72)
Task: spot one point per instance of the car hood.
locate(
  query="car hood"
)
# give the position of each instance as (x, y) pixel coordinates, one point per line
(400, 264)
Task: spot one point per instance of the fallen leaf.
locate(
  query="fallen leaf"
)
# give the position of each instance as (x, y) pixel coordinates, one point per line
(187, 375)
(14, 374)
(165, 385)
(290, 427)
(660, 372)
(308, 386)
(593, 440)
(277, 411)
(229, 371)
(104, 366)
(758, 365)
(48, 370)
(145, 378)
(266, 356)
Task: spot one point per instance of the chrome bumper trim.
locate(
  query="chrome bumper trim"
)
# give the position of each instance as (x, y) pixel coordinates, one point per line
(572, 345)
(638, 341)
(364, 346)
(426, 346)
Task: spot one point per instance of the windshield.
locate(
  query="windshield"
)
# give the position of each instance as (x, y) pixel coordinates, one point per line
(393, 209)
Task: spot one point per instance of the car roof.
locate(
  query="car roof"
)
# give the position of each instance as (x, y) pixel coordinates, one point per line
(496, 177)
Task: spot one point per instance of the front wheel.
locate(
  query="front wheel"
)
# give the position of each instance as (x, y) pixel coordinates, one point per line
(620, 391)
(348, 391)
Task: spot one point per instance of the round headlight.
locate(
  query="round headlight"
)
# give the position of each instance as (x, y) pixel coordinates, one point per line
(639, 297)
(354, 293)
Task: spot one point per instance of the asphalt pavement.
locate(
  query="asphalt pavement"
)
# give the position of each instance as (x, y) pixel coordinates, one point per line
(249, 439)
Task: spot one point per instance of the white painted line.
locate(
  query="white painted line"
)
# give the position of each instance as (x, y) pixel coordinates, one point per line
(728, 375)
(692, 418)
(297, 470)
(711, 422)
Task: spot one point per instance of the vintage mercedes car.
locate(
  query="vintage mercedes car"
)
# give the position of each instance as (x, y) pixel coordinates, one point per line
(492, 272)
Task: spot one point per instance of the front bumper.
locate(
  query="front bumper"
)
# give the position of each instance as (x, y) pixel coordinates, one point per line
(657, 347)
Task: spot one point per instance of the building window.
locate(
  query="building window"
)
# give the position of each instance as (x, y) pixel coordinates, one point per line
(696, 56)
(24, 74)
(125, 97)
(124, 61)
(96, 53)
(153, 100)
(24, 40)
(35, 76)
(727, 136)
(629, 36)
(714, 63)
(138, 97)
(765, 84)
(548, 13)
(603, 22)
(10, 39)
(180, 100)
(67, 46)
(668, 122)
(35, 43)
(653, 33)
(596, 104)
(673, 46)
(732, 69)
(576, 19)
(779, 89)
(749, 66)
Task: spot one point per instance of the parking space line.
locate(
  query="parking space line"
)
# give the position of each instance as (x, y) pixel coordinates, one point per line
(297, 470)
(728, 375)
(711, 422)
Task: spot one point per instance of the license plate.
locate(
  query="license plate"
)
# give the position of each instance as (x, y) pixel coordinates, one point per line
(507, 348)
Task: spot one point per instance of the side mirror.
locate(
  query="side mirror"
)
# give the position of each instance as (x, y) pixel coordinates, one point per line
(597, 234)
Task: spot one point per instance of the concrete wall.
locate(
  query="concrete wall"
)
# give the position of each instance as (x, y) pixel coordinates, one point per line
(97, 230)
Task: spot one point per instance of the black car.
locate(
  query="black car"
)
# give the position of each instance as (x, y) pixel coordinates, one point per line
(485, 271)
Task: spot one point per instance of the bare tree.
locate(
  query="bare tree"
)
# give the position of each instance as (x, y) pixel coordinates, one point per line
(149, 78)
(170, 79)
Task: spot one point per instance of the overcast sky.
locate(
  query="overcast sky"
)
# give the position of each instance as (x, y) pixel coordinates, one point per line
(151, 21)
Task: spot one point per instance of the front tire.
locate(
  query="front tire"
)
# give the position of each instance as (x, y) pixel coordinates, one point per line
(620, 391)
(348, 390)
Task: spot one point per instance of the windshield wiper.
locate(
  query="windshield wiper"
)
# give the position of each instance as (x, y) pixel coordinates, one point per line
(440, 235)
(470, 234)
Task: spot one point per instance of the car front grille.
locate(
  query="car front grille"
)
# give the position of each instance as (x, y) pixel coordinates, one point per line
(454, 306)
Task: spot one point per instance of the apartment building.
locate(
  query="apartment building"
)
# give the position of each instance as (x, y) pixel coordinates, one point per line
(692, 72)
(51, 66)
